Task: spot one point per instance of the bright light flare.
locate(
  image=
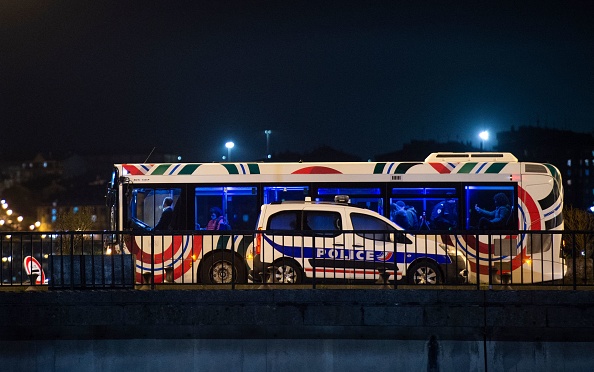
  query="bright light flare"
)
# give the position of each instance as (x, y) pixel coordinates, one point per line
(484, 135)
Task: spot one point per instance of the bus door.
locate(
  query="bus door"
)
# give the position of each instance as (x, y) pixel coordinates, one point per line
(493, 207)
(145, 205)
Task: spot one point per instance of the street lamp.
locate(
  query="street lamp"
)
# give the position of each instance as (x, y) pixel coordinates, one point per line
(484, 136)
(229, 145)
(267, 132)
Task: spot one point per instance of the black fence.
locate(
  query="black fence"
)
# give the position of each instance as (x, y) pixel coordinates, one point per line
(296, 259)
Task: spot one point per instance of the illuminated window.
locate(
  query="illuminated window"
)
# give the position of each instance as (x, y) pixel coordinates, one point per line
(569, 162)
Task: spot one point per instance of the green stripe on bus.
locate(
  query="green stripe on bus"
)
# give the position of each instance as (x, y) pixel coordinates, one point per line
(402, 168)
(467, 168)
(495, 168)
(189, 169)
(160, 169)
(231, 168)
(379, 168)
(254, 168)
(223, 241)
(554, 172)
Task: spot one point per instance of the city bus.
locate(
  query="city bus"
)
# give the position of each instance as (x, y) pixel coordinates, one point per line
(452, 195)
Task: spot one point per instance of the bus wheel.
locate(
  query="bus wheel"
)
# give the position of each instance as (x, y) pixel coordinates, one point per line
(424, 272)
(287, 271)
(222, 267)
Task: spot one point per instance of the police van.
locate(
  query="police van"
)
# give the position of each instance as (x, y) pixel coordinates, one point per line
(297, 241)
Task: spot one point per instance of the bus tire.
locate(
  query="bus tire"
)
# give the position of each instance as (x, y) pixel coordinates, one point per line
(222, 267)
(424, 272)
(287, 271)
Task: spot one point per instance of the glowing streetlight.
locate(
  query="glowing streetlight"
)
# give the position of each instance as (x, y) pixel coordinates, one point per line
(268, 132)
(484, 136)
(229, 145)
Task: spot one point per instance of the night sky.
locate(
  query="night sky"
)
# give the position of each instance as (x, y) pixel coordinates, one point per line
(363, 77)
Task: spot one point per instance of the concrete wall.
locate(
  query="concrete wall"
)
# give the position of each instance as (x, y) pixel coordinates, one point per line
(269, 330)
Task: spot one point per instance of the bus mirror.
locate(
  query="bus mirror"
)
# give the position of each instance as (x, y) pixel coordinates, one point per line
(110, 198)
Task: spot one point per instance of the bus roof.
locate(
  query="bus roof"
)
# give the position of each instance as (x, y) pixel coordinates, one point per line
(471, 156)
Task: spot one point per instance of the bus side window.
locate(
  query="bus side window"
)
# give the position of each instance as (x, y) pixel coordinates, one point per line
(491, 207)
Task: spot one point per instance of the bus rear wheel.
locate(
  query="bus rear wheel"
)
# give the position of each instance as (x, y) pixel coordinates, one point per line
(222, 267)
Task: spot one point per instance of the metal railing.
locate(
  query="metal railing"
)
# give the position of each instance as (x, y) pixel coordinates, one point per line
(290, 259)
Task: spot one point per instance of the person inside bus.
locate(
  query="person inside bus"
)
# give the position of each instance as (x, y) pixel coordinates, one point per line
(496, 219)
(166, 216)
(217, 221)
(404, 216)
(444, 215)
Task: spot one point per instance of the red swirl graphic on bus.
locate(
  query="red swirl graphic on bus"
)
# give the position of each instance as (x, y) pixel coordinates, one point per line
(317, 170)
(177, 251)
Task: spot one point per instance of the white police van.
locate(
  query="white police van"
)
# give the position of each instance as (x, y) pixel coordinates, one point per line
(328, 241)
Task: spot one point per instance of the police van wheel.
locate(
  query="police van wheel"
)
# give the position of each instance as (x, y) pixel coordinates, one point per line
(424, 272)
(222, 267)
(286, 271)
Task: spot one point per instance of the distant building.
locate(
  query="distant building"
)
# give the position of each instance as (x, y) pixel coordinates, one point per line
(46, 187)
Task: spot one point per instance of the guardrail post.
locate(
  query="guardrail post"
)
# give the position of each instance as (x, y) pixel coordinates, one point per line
(33, 282)
(383, 278)
(169, 274)
(574, 261)
(506, 280)
(492, 270)
(146, 281)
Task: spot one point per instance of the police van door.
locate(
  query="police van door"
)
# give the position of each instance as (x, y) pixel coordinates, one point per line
(323, 237)
(373, 248)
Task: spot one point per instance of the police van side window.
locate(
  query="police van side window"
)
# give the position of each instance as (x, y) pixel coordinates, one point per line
(286, 220)
(362, 222)
(321, 223)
